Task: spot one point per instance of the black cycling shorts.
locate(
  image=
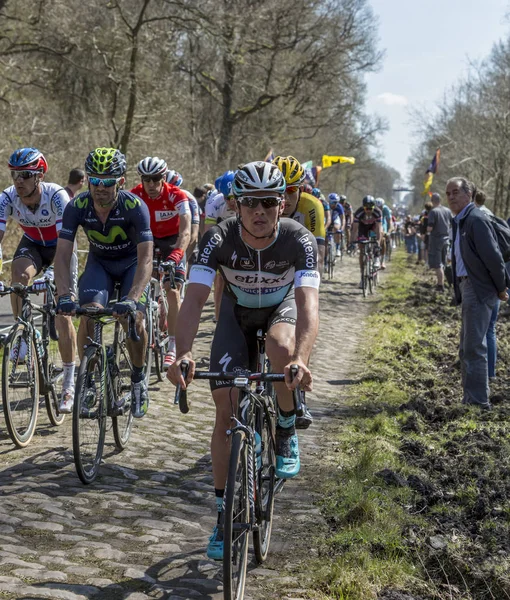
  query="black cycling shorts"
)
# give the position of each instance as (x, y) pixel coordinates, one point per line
(41, 256)
(234, 347)
(166, 245)
(100, 276)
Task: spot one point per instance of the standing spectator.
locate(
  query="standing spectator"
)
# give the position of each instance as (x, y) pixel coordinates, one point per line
(480, 280)
(438, 227)
(423, 232)
(410, 236)
(479, 200)
(75, 182)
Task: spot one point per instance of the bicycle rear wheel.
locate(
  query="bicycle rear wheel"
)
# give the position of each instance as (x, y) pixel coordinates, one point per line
(89, 414)
(122, 424)
(54, 371)
(266, 476)
(236, 521)
(20, 386)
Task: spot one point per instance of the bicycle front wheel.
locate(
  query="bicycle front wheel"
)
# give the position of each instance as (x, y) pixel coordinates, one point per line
(236, 521)
(122, 422)
(89, 414)
(20, 386)
(54, 371)
(266, 475)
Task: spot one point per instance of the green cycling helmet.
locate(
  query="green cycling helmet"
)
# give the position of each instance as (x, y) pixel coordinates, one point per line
(106, 161)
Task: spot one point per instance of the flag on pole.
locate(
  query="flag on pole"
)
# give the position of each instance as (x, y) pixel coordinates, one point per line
(329, 161)
(430, 172)
(269, 156)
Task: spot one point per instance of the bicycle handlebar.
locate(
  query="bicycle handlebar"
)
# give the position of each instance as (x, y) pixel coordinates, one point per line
(95, 312)
(181, 395)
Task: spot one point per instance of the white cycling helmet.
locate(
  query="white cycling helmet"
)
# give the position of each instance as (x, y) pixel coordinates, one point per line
(258, 176)
(379, 202)
(152, 165)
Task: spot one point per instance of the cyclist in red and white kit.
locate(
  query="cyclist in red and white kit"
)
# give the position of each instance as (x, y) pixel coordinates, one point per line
(38, 208)
(171, 228)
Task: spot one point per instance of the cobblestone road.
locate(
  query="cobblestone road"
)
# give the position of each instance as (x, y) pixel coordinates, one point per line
(141, 529)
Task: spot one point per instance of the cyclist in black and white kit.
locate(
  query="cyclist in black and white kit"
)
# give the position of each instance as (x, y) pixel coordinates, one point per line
(269, 266)
(117, 225)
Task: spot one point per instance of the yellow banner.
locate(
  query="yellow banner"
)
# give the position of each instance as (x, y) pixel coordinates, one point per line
(328, 161)
(427, 183)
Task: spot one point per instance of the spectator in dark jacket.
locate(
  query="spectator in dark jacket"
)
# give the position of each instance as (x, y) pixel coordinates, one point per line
(479, 281)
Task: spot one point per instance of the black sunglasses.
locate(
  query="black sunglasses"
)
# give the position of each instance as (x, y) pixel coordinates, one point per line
(153, 178)
(253, 201)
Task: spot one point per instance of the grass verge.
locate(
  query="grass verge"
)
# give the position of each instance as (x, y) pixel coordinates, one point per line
(419, 504)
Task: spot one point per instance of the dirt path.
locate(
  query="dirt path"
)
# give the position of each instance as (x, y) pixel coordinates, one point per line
(141, 529)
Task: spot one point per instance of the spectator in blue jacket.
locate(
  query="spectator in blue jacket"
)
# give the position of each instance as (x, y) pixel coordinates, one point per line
(480, 280)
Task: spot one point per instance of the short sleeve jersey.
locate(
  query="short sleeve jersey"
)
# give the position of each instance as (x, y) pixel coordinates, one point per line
(257, 278)
(216, 209)
(128, 225)
(165, 210)
(42, 225)
(368, 220)
(194, 208)
(310, 213)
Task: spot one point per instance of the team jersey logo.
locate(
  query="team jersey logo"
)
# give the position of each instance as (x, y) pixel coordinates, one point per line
(165, 215)
(114, 232)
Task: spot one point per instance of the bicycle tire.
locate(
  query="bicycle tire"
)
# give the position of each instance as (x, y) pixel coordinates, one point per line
(122, 424)
(20, 410)
(364, 276)
(331, 259)
(54, 374)
(266, 478)
(370, 271)
(236, 521)
(89, 426)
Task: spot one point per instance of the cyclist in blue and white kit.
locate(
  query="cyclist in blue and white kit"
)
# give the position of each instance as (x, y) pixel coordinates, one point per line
(38, 208)
(269, 266)
(387, 227)
(337, 219)
(218, 207)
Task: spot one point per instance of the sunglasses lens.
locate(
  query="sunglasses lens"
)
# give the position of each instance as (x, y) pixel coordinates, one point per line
(153, 179)
(105, 182)
(253, 202)
(23, 174)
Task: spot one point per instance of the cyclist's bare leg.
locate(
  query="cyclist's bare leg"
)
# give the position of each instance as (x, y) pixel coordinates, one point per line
(173, 297)
(280, 344)
(138, 349)
(383, 249)
(220, 441)
(66, 338)
(22, 271)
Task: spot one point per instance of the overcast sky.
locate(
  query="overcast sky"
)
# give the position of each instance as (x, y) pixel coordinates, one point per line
(428, 47)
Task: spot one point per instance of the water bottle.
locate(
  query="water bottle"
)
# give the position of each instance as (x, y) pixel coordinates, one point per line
(38, 343)
(258, 450)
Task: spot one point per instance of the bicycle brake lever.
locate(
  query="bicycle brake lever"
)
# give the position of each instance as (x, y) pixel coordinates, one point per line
(296, 394)
(181, 396)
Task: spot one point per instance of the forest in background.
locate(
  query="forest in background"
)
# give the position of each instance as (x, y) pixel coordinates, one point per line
(471, 126)
(206, 84)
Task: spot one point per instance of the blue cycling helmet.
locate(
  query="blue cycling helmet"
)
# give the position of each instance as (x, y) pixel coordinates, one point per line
(316, 192)
(224, 183)
(334, 198)
(27, 159)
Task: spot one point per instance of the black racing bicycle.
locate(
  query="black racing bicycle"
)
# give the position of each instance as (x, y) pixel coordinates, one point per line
(251, 482)
(156, 316)
(103, 389)
(31, 364)
(368, 270)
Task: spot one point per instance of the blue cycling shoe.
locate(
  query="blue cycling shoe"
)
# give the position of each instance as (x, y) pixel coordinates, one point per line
(215, 546)
(287, 455)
